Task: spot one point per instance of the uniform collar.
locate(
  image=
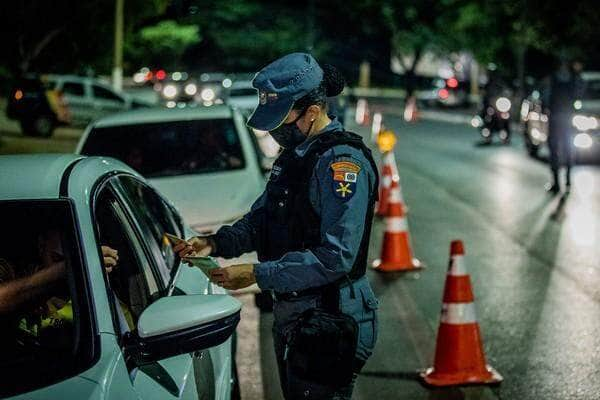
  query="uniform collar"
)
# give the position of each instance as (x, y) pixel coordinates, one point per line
(333, 126)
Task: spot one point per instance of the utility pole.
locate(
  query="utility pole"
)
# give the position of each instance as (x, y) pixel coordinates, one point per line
(117, 72)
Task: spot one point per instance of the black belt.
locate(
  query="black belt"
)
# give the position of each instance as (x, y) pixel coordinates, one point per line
(314, 291)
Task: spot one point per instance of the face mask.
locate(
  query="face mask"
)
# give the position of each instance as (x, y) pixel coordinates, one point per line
(289, 135)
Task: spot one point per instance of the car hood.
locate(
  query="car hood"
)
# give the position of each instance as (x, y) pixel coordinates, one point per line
(211, 199)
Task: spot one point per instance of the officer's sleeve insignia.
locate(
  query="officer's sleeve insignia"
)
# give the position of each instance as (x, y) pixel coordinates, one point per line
(345, 175)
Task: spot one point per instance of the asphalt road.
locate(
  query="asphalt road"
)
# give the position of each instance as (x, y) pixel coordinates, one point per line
(534, 262)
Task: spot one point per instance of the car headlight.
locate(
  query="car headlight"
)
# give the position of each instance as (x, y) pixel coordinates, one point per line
(170, 91)
(190, 89)
(524, 110)
(476, 121)
(503, 104)
(584, 123)
(207, 94)
(583, 140)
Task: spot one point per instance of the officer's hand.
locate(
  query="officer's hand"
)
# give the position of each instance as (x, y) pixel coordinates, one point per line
(196, 246)
(110, 258)
(234, 277)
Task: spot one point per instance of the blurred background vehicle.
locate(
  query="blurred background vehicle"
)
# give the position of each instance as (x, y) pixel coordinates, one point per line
(205, 89)
(451, 92)
(495, 118)
(243, 96)
(89, 98)
(585, 121)
(38, 106)
(42, 103)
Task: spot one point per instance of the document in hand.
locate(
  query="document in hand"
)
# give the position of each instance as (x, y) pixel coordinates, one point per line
(206, 264)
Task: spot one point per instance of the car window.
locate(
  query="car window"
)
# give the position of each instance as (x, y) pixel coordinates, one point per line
(46, 331)
(105, 94)
(156, 218)
(243, 92)
(133, 284)
(171, 148)
(74, 89)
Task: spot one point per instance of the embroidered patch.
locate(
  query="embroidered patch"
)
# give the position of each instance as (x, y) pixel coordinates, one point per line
(345, 175)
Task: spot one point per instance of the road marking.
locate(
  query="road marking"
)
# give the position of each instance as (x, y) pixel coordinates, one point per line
(248, 356)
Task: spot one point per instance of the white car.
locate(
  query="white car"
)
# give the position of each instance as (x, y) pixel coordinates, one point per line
(149, 328)
(243, 96)
(203, 159)
(89, 98)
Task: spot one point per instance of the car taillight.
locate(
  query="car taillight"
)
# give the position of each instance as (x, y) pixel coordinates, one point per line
(452, 83)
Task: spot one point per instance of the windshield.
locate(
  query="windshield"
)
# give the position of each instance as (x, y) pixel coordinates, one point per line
(45, 330)
(243, 92)
(171, 148)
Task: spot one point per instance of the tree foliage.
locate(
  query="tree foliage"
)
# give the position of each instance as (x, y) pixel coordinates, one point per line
(162, 44)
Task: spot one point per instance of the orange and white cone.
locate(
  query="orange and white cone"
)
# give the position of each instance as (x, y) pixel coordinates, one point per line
(385, 184)
(362, 112)
(376, 126)
(459, 357)
(396, 254)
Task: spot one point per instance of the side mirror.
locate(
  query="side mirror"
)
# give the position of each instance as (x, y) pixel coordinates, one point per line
(182, 324)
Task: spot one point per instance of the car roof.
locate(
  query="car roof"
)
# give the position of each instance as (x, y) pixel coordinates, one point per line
(242, 85)
(33, 176)
(39, 176)
(153, 115)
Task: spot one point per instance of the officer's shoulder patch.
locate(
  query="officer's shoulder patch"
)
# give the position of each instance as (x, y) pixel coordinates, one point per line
(345, 175)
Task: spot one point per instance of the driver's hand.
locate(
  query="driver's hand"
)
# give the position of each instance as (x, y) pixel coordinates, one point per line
(110, 258)
(196, 246)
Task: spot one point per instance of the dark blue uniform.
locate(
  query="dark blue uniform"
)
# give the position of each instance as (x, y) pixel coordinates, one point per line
(342, 207)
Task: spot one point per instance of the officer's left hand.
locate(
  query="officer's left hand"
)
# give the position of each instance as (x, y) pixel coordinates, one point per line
(234, 277)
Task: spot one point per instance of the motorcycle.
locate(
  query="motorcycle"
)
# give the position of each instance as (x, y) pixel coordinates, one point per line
(494, 118)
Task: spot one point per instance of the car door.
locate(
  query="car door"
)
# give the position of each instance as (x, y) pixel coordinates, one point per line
(106, 101)
(194, 374)
(78, 100)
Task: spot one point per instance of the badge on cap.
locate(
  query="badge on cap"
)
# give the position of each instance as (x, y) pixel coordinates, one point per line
(345, 175)
(264, 97)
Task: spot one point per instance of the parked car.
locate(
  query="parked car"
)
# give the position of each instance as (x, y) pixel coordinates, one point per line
(89, 99)
(206, 89)
(202, 159)
(37, 105)
(149, 328)
(585, 120)
(243, 96)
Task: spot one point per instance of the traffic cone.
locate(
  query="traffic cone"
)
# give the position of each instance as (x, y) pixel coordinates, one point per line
(362, 112)
(411, 113)
(459, 357)
(396, 254)
(385, 184)
(376, 126)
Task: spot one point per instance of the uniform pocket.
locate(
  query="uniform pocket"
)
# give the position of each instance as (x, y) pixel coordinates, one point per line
(367, 324)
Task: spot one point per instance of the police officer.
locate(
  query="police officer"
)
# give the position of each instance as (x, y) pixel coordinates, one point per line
(311, 226)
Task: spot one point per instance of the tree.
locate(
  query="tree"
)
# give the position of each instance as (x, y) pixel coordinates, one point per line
(65, 35)
(162, 44)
